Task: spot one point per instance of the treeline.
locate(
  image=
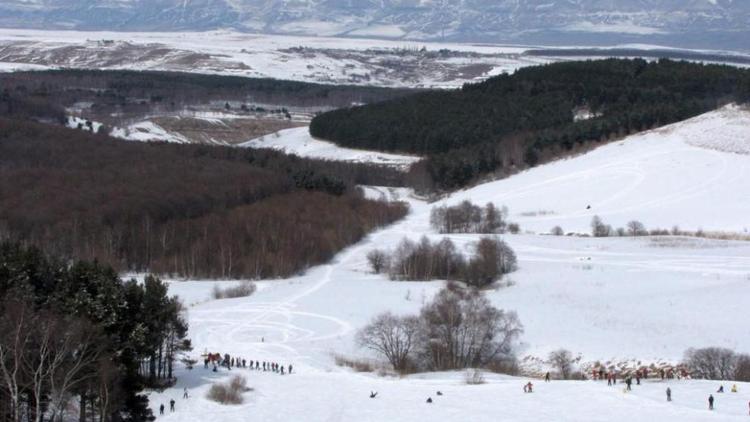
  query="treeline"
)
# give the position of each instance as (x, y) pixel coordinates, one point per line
(125, 91)
(76, 342)
(513, 121)
(425, 260)
(469, 218)
(186, 210)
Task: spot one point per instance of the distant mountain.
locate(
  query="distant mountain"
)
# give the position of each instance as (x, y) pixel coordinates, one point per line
(685, 23)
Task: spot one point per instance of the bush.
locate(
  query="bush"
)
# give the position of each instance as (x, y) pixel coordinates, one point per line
(229, 393)
(243, 289)
(514, 228)
(474, 377)
(469, 218)
(557, 231)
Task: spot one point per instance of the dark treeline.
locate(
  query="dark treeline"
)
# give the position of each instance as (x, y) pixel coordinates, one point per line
(124, 91)
(513, 121)
(469, 218)
(186, 210)
(78, 343)
(425, 260)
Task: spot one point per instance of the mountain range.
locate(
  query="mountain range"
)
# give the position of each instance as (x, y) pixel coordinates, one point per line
(683, 23)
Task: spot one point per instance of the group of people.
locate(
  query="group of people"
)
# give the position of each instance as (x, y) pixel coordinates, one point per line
(229, 362)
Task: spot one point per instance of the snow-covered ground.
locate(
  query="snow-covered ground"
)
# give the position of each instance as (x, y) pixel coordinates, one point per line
(299, 142)
(611, 299)
(147, 131)
(313, 59)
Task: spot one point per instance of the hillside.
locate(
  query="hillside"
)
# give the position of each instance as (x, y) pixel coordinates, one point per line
(535, 115)
(621, 301)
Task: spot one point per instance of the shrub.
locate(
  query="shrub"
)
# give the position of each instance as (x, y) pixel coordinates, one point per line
(514, 228)
(474, 377)
(243, 289)
(358, 365)
(229, 393)
(469, 218)
(557, 231)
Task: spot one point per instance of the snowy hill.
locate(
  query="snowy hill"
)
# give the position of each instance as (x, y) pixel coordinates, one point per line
(715, 23)
(612, 300)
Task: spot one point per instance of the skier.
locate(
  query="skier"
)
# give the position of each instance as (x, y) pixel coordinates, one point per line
(628, 382)
(609, 378)
(290, 368)
(721, 389)
(429, 399)
(711, 402)
(171, 405)
(528, 388)
(373, 394)
(546, 377)
(638, 378)
(439, 393)
(161, 409)
(185, 393)
(669, 394)
(282, 369)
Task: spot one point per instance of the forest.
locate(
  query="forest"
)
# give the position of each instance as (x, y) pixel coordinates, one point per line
(125, 92)
(181, 210)
(511, 122)
(78, 343)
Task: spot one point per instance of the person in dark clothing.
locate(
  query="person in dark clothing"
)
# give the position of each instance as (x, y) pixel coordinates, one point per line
(282, 369)
(185, 393)
(257, 365)
(373, 394)
(215, 369)
(171, 405)
(205, 363)
(546, 377)
(628, 383)
(711, 402)
(439, 393)
(669, 394)
(721, 389)
(290, 368)
(609, 379)
(638, 378)
(161, 409)
(429, 399)
(264, 367)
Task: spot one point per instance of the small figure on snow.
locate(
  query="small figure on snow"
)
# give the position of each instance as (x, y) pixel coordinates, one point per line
(161, 409)
(429, 399)
(734, 388)
(171, 405)
(373, 394)
(721, 389)
(185, 393)
(528, 388)
(669, 394)
(439, 393)
(710, 402)
(546, 377)
(290, 368)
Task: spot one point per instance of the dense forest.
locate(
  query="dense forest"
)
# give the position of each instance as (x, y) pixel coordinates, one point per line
(78, 343)
(186, 210)
(124, 92)
(536, 114)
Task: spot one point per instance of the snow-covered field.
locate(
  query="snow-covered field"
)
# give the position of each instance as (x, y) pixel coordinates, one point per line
(612, 299)
(311, 59)
(298, 141)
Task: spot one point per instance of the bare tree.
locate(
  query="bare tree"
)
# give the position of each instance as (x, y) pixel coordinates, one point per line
(562, 361)
(392, 336)
(378, 260)
(598, 228)
(713, 363)
(462, 330)
(636, 228)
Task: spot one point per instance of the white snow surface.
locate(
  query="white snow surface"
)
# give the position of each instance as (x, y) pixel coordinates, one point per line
(607, 299)
(147, 131)
(298, 141)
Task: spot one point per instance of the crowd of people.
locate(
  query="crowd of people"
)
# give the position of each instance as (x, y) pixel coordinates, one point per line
(216, 361)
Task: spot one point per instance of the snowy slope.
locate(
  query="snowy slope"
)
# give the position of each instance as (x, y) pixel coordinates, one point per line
(610, 300)
(298, 141)
(676, 175)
